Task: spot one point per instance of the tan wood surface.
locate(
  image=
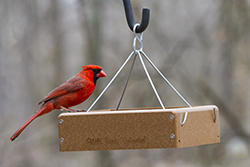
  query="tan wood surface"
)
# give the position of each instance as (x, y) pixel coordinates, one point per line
(138, 129)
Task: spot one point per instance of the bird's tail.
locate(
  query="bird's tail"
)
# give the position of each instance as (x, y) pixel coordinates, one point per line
(43, 110)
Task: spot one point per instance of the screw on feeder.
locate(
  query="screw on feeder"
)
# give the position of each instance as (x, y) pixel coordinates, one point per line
(60, 121)
(61, 139)
(130, 17)
(171, 116)
(172, 136)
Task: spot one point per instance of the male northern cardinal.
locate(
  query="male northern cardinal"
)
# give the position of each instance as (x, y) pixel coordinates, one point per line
(74, 91)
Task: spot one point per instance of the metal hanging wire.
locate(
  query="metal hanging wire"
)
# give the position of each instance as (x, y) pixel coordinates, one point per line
(151, 82)
(170, 85)
(126, 84)
(111, 81)
(138, 51)
(139, 38)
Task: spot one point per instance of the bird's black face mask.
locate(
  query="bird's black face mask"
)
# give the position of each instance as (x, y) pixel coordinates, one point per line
(96, 71)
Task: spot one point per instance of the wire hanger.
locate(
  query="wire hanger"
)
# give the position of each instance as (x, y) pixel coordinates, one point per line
(138, 29)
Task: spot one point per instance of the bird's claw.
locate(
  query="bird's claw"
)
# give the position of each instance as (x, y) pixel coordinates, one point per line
(80, 110)
(67, 109)
(71, 110)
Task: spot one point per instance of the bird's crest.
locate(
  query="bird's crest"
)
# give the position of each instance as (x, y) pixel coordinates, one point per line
(90, 67)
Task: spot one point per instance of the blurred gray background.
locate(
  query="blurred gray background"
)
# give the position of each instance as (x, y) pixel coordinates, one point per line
(202, 46)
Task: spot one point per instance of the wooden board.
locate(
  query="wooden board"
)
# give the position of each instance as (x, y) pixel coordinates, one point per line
(138, 129)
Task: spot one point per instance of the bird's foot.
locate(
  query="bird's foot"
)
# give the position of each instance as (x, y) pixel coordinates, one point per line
(80, 110)
(71, 110)
(67, 109)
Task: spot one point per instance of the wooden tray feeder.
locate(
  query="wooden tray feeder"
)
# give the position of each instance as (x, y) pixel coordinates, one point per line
(141, 128)
(138, 129)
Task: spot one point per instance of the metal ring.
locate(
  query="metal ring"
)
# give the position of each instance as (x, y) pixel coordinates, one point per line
(138, 37)
(134, 28)
(135, 44)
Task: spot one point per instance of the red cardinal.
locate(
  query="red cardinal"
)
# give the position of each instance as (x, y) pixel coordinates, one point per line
(74, 91)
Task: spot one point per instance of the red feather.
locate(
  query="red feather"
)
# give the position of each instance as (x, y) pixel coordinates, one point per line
(73, 92)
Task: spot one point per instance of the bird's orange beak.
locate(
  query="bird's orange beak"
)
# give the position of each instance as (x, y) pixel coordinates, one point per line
(101, 74)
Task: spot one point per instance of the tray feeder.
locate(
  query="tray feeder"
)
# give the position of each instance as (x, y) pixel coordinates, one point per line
(139, 128)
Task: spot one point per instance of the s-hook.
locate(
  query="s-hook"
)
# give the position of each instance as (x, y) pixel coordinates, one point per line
(130, 17)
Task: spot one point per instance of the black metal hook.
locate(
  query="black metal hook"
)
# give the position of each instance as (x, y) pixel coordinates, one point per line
(130, 17)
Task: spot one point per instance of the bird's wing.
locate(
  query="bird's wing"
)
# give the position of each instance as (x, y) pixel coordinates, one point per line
(72, 85)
